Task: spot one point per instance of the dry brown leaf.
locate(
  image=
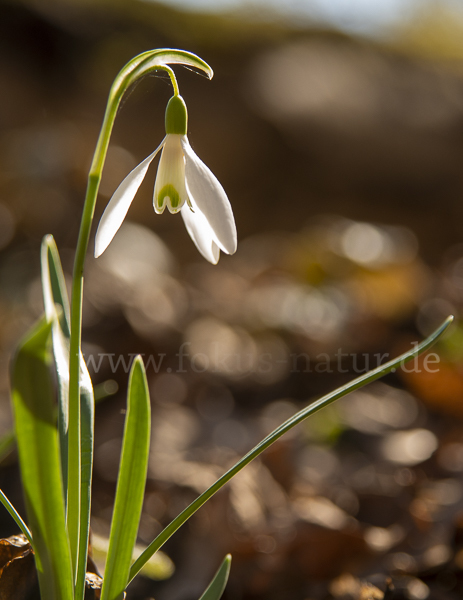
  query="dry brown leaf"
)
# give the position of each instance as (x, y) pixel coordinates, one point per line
(18, 576)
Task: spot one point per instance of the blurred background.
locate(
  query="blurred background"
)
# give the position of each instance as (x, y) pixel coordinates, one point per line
(336, 128)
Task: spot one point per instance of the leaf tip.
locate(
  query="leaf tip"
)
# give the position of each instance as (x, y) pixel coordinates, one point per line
(138, 370)
(443, 328)
(48, 239)
(138, 362)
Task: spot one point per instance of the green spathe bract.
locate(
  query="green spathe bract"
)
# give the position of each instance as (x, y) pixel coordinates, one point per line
(176, 116)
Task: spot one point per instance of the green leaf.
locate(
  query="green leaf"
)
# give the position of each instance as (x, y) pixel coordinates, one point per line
(216, 588)
(87, 418)
(277, 433)
(57, 311)
(16, 516)
(54, 284)
(130, 485)
(39, 460)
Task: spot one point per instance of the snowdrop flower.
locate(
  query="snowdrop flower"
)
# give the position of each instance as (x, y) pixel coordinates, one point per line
(183, 184)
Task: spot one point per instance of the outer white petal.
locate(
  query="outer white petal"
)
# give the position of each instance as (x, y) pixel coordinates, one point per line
(201, 233)
(209, 196)
(120, 203)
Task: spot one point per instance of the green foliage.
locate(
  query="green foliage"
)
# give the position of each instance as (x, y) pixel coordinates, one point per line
(130, 485)
(216, 588)
(57, 310)
(39, 460)
(16, 516)
(277, 433)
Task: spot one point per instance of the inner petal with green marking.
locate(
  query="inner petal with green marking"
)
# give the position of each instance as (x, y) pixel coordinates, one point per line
(170, 195)
(170, 187)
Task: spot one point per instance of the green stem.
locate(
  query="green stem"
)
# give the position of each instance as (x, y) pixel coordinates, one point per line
(74, 433)
(173, 80)
(126, 77)
(140, 65)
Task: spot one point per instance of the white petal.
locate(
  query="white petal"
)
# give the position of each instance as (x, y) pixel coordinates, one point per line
(120, 203)
(201, 233)
(209, 196)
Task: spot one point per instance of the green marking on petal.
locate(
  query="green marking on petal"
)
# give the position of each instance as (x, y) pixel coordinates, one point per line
(158, 205)
(176, 116)
(169, 191)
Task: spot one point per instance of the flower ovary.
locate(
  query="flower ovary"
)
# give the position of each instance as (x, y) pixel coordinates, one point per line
(176, 116)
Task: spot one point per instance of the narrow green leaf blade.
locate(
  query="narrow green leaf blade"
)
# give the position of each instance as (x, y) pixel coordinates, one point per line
(57, 310)
(359, 382)
(54, 283)
(130, 485)
(87, 418)
(216, 588)
(16, 516)
(37, 440)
